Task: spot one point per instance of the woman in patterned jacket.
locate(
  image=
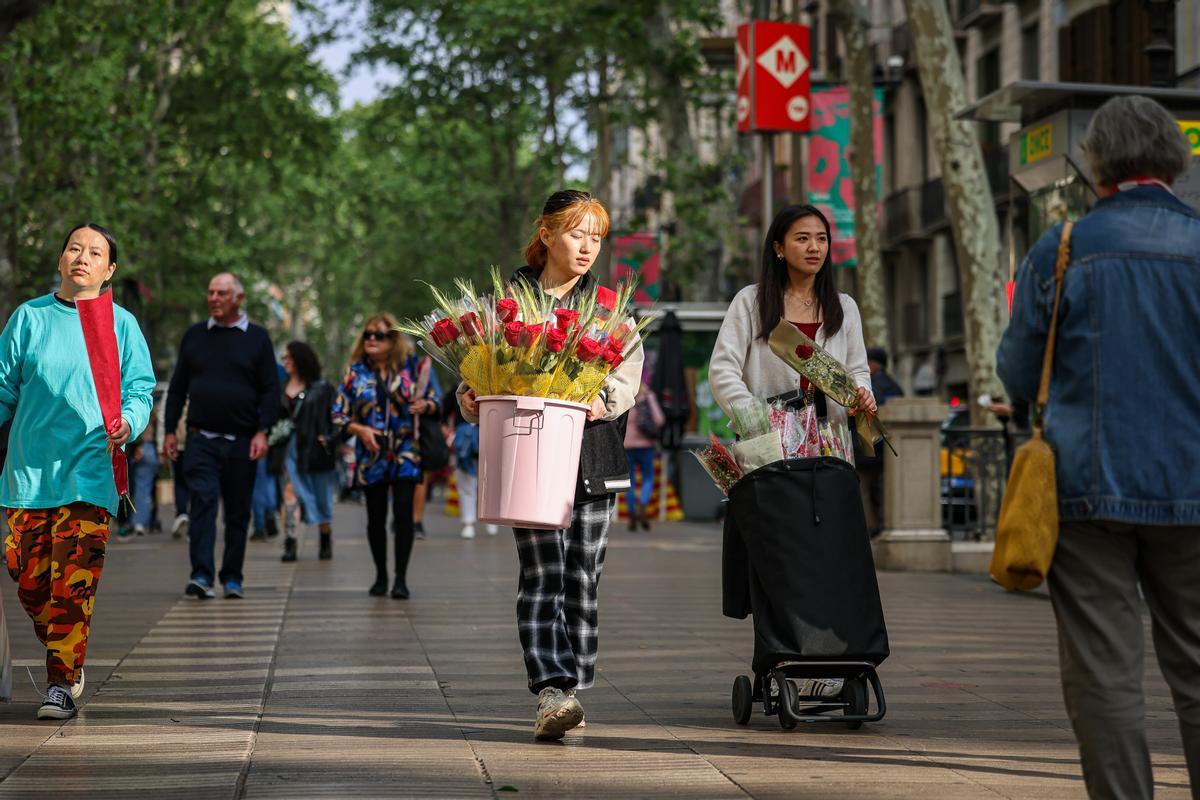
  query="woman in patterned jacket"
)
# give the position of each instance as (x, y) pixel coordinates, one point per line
(382, 391)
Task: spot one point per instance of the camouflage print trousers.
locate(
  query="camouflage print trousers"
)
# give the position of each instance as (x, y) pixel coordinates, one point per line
(55, 555)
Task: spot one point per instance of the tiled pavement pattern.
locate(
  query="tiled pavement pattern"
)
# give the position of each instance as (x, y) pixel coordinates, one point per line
(311, 689)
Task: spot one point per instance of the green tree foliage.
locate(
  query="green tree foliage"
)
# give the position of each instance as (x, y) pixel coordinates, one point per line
(190, 129)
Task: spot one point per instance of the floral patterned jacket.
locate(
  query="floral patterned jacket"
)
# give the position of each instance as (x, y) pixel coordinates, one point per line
(359, 400)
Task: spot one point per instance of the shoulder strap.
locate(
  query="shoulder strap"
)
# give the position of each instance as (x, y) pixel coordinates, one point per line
(1060, 270)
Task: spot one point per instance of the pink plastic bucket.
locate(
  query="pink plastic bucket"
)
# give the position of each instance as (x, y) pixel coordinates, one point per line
(528, 460)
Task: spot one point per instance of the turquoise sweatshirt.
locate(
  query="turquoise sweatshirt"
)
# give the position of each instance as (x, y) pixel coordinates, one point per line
(57, 449)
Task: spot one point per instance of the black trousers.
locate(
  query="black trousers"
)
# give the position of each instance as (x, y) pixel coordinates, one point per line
(218, 472)
(402, 510)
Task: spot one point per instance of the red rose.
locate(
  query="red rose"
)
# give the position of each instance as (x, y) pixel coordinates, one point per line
(556, 340)
(587, 349)
(507, 309)
(444, 332)
(471, 324)
(512, 333)
(530, 334)
(612, 353)
(606, 297)
(566, 318)
(804, 352)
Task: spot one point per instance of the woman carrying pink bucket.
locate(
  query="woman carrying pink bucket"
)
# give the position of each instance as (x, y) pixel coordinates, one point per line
(560, 569)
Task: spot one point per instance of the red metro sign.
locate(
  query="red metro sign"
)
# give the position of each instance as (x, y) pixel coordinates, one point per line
(772, 77)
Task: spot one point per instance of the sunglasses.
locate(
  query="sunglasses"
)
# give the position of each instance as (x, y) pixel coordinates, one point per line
(379, 336)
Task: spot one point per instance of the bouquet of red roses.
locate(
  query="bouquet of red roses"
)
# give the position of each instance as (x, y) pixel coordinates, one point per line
(519, 341)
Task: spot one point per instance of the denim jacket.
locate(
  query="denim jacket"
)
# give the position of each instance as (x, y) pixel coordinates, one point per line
(1122, 414)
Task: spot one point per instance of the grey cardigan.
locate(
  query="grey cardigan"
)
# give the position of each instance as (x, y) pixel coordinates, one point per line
(743, 365)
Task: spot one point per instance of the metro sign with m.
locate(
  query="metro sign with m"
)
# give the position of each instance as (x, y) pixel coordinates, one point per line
(772, 77)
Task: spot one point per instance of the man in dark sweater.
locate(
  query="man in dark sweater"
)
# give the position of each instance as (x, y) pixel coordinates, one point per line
(226, 373)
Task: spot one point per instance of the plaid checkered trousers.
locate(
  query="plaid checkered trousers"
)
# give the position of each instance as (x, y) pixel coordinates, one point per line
(556, 596)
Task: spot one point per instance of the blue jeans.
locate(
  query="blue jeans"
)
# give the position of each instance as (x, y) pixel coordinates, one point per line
(265, 500)
(314, 489)
(218, 470)
(143, 472)
(640, 458)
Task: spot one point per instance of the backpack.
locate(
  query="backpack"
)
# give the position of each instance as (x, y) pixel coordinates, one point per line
(645, 420)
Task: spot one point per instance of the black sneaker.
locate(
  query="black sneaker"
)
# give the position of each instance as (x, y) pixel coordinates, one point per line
(200, 589)
(58, 703)
(419, 530)
(77, 686)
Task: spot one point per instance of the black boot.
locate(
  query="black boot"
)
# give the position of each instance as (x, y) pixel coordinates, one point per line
(399, 589)
(379, 587)
(326, 547)
(272, 527)
(289, 549)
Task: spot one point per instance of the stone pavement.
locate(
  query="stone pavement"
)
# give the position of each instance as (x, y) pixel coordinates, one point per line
(311, 689)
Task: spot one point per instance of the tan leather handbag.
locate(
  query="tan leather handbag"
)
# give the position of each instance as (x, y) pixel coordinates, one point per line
(1027, 530)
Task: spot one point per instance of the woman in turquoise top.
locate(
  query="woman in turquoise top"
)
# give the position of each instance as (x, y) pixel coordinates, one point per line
(57, 486)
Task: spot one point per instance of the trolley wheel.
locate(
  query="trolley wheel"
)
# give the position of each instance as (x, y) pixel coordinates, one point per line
(855, 694)
(788, 696)
(743, 700)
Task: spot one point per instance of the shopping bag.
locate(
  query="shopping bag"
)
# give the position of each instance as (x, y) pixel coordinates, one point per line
(1027, 529)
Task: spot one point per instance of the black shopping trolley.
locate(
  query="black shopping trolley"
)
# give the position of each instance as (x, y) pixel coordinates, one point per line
(797, 556)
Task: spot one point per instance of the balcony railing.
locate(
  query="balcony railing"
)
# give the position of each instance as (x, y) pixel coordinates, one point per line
(969, 13)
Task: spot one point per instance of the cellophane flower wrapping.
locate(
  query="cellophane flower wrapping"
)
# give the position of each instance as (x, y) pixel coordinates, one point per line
(720, 464)
(517, 340)
(827, 374)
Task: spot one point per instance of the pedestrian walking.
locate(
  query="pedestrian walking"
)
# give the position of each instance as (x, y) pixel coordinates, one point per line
(1123, 423)
(466, 476)
(797, 283)
(265, 502)
(377, 402)
(57, 487)
(183, 498)
(143, 474)
(557, 600)
(642, 430)
(429, 478)
(870, 465)
(226, 374)
(311, 460)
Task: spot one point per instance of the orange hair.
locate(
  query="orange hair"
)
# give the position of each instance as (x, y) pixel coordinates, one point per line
(563, 211)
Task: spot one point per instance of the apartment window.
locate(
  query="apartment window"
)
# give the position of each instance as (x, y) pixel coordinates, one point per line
(1031, 67)
(987, 80)
(923, 138)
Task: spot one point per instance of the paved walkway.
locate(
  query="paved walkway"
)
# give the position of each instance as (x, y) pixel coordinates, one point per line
(311, 689)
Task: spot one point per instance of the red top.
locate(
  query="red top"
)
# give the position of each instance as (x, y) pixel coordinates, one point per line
(809, 329)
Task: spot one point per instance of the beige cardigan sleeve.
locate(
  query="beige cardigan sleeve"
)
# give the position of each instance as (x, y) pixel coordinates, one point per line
(726, 368)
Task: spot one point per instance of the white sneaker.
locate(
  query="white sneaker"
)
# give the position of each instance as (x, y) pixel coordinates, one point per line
(139, 530)
(468, 531)
(821, 687)
(77, 687)
(556, 714)
(179, 528)
(493, 530)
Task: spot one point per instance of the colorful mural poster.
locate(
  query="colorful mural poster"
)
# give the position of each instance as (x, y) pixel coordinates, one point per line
(830, 180)
(638, 254)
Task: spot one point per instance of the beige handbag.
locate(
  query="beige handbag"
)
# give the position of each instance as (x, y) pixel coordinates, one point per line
(1027, 530)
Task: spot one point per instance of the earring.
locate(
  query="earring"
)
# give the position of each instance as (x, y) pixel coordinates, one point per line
(779, 255)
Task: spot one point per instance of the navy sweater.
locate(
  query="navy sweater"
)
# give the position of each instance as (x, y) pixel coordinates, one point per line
(229, 379)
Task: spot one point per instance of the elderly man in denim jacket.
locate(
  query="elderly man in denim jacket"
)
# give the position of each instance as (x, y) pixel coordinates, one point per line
(1123, 418)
